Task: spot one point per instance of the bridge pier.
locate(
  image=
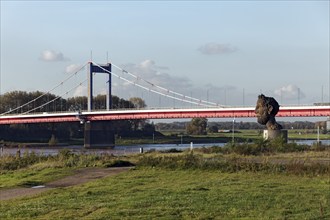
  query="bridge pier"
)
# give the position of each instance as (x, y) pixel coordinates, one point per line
(99, 134)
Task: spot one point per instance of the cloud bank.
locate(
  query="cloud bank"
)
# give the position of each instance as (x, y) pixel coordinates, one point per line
(215, 48)
(290, 92)
(80, 91)
(73, 68)
(50, 56)
(158, 75)
(148, 70)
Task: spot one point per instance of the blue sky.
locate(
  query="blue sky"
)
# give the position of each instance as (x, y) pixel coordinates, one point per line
(224, 51)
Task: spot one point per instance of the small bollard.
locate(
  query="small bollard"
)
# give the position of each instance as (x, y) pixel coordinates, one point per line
(141, 150)
(191, 146)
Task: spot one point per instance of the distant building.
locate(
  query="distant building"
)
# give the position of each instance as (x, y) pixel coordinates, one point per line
(322, 103)
(224, 131)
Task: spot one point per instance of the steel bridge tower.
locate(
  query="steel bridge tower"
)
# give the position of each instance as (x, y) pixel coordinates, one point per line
(98, 134)
(90, 72)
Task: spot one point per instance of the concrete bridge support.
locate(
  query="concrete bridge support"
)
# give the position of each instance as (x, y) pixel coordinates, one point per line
(273, 134)
(99, 134)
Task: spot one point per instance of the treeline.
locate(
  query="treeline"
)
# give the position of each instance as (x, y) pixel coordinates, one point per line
(12, 101)
(238, 125)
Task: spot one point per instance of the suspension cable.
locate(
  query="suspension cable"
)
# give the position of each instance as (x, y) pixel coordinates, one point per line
(53, 100)
(150, 90)
(55, 87)
(184, 99)
(164, 89)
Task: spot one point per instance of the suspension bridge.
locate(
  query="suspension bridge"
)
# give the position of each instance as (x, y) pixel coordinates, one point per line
(90, 117)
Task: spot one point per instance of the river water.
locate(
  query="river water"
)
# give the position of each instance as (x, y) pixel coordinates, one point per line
(125, 150)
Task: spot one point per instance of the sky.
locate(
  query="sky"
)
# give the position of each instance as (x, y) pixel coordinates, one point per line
(226, 52)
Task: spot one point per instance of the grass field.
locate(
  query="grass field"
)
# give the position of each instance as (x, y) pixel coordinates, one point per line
(148, 193)
(240, 136)
(31, 176)
(175, 186)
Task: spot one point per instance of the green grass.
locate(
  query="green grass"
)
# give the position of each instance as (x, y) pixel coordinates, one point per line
(241, 136)
(33, 169)
(255, 134)
(307, 134)
(174, 186)
(148, 193)
(31, 176)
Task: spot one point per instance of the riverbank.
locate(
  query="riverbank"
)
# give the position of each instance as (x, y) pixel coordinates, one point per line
(181, 185)
(123, 150)
(178, 137)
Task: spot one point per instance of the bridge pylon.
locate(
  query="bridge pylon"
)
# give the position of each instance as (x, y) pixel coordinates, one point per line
(98, 134)
(90, 73)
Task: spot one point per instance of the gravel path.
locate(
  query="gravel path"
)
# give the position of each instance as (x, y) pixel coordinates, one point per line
(79, 177)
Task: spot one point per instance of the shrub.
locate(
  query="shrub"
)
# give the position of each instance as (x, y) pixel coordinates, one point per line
(262, 147)
(318, 146)
(53, 141)
(65, 158)
(231, 164)
(14, 162)
(119, 163)
(210, 150)
(172, 150)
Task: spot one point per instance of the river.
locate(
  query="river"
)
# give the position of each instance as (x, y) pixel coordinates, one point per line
(125, 150)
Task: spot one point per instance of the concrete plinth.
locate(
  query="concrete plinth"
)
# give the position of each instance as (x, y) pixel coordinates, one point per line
(99, 134)
(273, 134)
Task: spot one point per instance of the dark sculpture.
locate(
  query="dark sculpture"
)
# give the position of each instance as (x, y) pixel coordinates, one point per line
(266, 109)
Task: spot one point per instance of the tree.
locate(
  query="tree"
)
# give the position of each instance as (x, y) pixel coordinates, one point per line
(15, 99)
(62, 131)
(213, 129)
(197, 126)
(138, 102)
(77, 103)
(53, 141)
(149, 127)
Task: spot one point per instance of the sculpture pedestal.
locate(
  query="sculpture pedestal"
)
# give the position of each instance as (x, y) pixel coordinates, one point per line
(273, 134)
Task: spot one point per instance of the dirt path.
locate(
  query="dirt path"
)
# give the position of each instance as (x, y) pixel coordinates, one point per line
(79, 177)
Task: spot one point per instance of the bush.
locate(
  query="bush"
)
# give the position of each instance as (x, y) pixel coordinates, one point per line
(65, 158)
(15, 162)
(230, 164)
(262, 147)
(53, 141)
(119, 163)
(318, 146)
(210, 150)
(172, 150)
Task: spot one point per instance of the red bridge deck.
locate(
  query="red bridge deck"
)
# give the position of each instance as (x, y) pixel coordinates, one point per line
(302, 111)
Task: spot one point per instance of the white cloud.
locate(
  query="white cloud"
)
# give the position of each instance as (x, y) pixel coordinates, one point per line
(147, 64)
(80, 91)
(158, 75)
(50, 55)
(149, 71)
(215, 48)
(289, 92)
(102, 91)
(73, 68)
